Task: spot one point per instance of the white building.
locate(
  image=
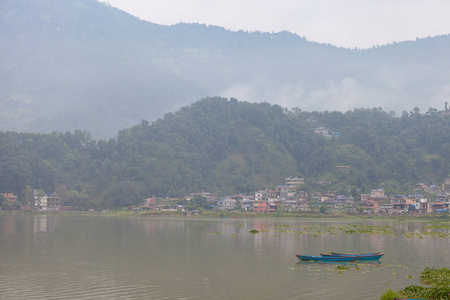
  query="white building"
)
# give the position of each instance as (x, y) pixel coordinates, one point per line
(293, 182)
(46, 202)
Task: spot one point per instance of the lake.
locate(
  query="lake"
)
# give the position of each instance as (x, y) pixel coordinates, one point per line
(96, 257)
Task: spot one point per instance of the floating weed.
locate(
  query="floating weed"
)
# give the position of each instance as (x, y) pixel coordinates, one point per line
(435, 231)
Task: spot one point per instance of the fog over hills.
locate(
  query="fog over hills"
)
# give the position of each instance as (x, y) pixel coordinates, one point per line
(81, 64)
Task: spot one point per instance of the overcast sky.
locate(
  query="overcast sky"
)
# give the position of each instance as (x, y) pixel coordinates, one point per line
(347, 23)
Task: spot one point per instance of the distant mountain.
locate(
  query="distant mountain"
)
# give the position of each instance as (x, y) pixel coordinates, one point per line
(81, 64)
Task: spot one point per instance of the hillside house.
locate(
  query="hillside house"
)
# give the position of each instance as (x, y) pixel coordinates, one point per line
(447, 182)
(420, 187)
(342, 168)
(293, 182)
(323, 132)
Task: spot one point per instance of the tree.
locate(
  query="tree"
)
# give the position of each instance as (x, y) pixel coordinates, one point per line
(199, 201)
(28, 196)
(322, 209)
(416, 111)
(4, 203)
(78, 200)
(124, 194)
(63, 194)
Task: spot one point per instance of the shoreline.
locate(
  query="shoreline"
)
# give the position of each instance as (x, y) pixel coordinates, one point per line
(245, 215)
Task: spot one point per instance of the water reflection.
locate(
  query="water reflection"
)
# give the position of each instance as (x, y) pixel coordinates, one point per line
(9, 225)
(73, 257)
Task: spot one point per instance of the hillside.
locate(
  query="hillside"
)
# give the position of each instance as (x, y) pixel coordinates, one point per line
(227, 146)
(80, 64)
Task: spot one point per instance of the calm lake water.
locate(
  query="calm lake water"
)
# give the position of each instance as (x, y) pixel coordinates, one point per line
(82, 257)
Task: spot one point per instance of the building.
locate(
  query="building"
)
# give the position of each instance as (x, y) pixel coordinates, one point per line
(261, 195)
(260, 206)
(247, 204)
(282, 190)
(272, 206)
(46, 202)
(293, 182)
(226, 203)
(10, 197)
(342, 168)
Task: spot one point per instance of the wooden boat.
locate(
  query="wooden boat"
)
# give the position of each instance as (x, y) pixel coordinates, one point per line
(355, 254)
(325, 258)
(359, 256)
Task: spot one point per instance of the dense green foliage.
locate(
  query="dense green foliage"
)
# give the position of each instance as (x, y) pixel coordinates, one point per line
(227, 146)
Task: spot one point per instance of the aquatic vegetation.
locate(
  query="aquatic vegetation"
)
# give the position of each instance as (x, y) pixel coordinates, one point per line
(254, 231)
(438, 281)
(433, 231)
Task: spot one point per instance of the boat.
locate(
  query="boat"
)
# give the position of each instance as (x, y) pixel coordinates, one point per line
(326, 258)
(359, 256)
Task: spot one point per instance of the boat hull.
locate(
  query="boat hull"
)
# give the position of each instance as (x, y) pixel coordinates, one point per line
(361, 256)
(326, 258)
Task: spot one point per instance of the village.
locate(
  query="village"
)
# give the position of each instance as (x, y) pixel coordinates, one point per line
(284, 198)
(290, 198)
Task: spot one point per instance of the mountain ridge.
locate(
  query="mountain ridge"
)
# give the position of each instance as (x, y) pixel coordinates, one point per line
(70, 65)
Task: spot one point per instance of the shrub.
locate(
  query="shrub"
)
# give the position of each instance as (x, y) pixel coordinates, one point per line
(389, 295)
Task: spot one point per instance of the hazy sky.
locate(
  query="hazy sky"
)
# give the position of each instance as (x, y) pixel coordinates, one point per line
(347, 23)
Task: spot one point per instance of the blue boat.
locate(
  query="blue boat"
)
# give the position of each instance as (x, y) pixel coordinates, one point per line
(359, 256)
(325, 258)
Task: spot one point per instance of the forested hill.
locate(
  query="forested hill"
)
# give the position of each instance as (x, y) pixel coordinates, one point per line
(227, 146)
(81, 64)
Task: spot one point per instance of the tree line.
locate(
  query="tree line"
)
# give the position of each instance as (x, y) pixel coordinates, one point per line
(228, 146)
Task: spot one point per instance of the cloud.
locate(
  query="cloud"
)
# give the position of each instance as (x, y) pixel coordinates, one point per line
(344, 95)
(384, 90)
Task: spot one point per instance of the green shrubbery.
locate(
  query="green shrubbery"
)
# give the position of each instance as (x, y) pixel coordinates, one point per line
(389, 295)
